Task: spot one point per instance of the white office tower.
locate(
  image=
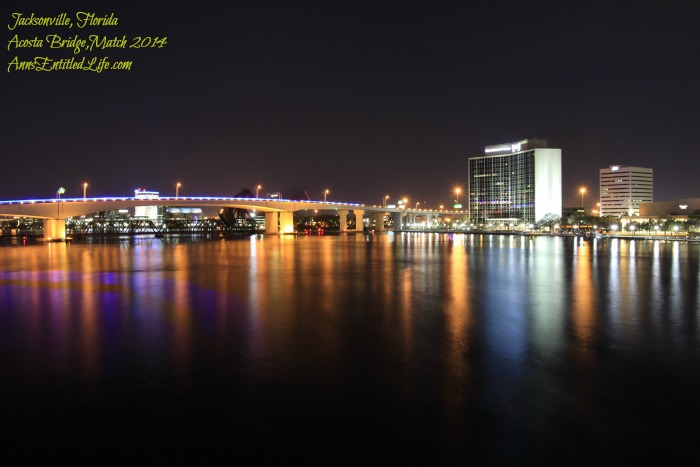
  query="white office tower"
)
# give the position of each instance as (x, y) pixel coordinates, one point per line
(623, 188)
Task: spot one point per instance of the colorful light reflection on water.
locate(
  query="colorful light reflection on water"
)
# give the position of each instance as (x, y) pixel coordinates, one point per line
(402, 348)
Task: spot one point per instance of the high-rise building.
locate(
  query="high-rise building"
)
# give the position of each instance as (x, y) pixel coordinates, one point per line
(623, 188)
(515, 183)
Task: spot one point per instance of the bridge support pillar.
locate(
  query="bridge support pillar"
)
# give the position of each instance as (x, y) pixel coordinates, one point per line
(343, 219)
(271, 225)
(396, 217)
(286, 222)
(359, 216)
(279, 222)
(411, 219)
(54, 229)
(378, 221)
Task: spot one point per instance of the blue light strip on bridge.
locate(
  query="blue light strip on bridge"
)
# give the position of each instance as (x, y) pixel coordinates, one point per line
(170, 198)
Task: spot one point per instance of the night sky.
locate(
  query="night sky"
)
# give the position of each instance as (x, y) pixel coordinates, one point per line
(362, 98)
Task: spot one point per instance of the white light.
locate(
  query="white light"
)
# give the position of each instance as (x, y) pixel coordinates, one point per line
(498, 149)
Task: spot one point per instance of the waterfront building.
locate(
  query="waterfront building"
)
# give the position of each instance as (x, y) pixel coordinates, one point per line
(152, 213)
(680, 212)
(577, 212)
(681, 207)
(624, 188)
(515, 184)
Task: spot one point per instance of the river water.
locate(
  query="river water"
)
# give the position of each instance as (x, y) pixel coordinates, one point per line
(407, 349)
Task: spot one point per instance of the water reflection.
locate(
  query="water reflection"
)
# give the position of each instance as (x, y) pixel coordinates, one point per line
(502, 349)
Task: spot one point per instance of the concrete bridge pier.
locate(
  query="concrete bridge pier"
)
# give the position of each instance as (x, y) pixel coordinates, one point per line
(396, 217)
(359, 216)
(271, 223)
(378, 221)
(343, 217)
(286, 222)
(54, 229)
(279, 222)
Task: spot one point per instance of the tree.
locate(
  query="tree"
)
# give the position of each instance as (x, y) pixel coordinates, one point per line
(694, 221)
(548, 220)
(607, 221)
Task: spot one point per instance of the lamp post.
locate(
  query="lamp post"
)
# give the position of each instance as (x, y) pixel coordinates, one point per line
(177, 189)
(60, 191)
(84, 190)
(325, 194)
(583, 191)
(385, 198)
(257, 191)
(457, 192)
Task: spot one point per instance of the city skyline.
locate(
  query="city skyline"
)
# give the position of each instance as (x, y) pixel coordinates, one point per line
(361, 100)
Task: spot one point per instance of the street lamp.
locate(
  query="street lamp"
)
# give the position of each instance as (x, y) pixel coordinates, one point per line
(257, 191)
(583, 191)
(177, 189)
(418, 203)
(84, 190)
(60, 191)
(457, 191)
(385, 198)
(325, 194)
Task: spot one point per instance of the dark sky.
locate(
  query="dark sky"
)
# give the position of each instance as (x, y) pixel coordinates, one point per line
(362, 98)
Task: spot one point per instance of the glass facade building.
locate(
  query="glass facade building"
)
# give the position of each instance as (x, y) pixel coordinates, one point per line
(514, 184)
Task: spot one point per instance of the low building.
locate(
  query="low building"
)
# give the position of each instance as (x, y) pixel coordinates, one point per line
(670, 208)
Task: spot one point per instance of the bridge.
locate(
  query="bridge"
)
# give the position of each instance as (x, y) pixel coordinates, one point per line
(278, 212)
